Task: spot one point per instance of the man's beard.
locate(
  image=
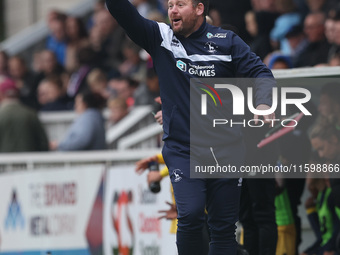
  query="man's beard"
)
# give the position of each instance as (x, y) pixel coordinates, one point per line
(187, 28)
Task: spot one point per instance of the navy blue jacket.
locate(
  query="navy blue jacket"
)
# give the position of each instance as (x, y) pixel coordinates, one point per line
(221, 53)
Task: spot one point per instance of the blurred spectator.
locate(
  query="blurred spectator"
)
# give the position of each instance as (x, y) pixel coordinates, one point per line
(77, 37)
(46, 64)
(54, 14)
(3, 63)
(297, 41)
(326, 218)
(330, 29)
(20, 128)
(132, 65)
(215, 15)
(156, 16)
(95, 39)
(295, 149)
(97, 82)
(325, 138)
(87, 132)
(98, 6)
(25, 80)
(56, 41)
(320, 5)
(118, 109)
(302, 7)
(51, 95)
(289, 17)
(232, 12)
(146, 93)
(279, 61)
(37, 64)
(333, 35)
(123, 87)
(49, 64)
(317, 50)
(144, 7)
(208, 20)
(329, 106)
(263, 5)
(335, 60)
(111, 37)
(85, 63)
(259, 25)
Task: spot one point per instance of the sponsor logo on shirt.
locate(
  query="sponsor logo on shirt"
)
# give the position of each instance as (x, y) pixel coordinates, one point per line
(202, 71)
(175, 42)
(181, 65)
(217, 35)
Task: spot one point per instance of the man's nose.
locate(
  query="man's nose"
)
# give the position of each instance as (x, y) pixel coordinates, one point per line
(174, 9)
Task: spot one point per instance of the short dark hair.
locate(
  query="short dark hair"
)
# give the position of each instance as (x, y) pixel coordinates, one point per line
(205, 3)
(93, 100)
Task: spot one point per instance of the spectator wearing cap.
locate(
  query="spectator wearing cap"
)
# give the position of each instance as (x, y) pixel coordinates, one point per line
(278, 61)
(20, 128)
(317, 50)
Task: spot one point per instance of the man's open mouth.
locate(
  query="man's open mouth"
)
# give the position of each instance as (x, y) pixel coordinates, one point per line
(176, 21)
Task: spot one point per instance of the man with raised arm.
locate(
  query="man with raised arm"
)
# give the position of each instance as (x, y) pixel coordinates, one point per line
(190, 42)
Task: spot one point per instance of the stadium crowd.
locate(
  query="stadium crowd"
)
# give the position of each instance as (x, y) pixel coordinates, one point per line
(85, 65)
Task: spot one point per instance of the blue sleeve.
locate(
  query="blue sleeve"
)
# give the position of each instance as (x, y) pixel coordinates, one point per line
(142, 31)
(248, 65)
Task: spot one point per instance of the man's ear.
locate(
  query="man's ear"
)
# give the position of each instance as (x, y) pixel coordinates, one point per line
(200, 9)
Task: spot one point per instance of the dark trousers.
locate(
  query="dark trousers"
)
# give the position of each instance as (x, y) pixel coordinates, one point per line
(219, 196)
(257, 215)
